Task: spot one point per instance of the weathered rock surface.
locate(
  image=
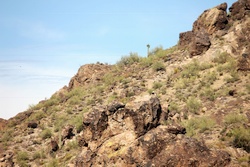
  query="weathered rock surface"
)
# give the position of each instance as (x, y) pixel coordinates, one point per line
(240, 9)
(3, 123)
(132, 136)
(88, 73)
(32, 125)
(7, 159)
(197, 41)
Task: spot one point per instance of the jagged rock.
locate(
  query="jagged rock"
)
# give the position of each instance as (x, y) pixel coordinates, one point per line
(176, 130)
(32, 125)
(200, 43)
(132, 136)
(54, 146)
(68, 132)
(239, 9)
(197, 41)
(94, 125)
(6, 160)
(244, 63)
(212, 20)
(114, 107)
(88, 73)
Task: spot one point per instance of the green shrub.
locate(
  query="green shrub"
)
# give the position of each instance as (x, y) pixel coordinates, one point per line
(198, 125)
(46, 133)
(147, 61)
(221, 58)
(72, 145)
(182, 83)
(74, 100)
(208, 93)
(234, 76)
(157, 85)
(241, 138)
(191, 70)
(158, 66)
(53, 163)
(77, 122)
(22, 156)
(193, 105)
(129, 60)
(211, 77)
(234, 118)
(173, 107)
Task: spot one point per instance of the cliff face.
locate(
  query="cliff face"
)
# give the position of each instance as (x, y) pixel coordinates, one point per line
(184, 106)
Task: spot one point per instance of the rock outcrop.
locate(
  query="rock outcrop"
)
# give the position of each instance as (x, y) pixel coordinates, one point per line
(240, 9)
(197, 41)
(89, 73)
(131, 136)
(3, 123)
(7, 159)
(216, 22)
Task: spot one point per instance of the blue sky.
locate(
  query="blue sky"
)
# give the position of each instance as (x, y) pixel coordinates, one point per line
(44, 42)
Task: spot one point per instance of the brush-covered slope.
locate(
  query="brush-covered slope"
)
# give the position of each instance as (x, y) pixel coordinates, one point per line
(188, 105)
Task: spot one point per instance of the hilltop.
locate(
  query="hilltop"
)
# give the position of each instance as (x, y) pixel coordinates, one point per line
(187, 105)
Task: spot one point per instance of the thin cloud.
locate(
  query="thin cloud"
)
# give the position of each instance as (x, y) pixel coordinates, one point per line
(39, 31)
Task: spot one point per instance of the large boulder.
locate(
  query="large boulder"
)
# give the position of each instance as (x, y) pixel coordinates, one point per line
(131, 135)
(210, 21)
(240, 9)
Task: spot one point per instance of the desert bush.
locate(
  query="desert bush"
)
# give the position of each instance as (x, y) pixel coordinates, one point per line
(234, 118)
(22, 158)
(241, 138)
(46, 133)
(129, 60)
(211, 77)
(191, 70)
(198, 125)
(158, 66)
(173, 107)
(71, 145)
(60, 121)
(208, 93)
(234, 76)
(53, 163)
(77, 122)
(157, 85)
(193, 105)
(147, 61)
(221, 58)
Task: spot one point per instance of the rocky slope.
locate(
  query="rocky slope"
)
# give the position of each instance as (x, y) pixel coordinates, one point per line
(183, 106)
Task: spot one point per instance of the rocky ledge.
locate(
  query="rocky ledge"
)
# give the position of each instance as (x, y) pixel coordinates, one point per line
(134, 135)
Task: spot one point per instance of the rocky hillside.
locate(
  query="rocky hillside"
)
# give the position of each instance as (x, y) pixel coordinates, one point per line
(188, 105)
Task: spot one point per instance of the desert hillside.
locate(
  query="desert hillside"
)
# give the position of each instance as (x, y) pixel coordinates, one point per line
(188, 105)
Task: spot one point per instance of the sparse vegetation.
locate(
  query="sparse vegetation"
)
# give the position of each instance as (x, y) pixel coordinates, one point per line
(193, 105)
(198, 125)
(46, 133)
(234, 118)
(158, 66)
(22, 158)
(129, 60)
(241, 138)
